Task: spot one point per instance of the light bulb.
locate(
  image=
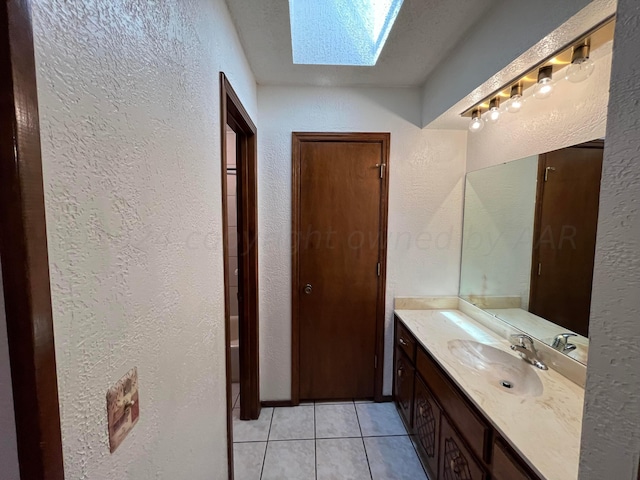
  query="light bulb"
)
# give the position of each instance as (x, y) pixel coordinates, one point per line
(581, 66)
(493, 115)
(515, 101)
(543, 90)
(515, 104)
(579, 72)
(476, 124)
(544, 87)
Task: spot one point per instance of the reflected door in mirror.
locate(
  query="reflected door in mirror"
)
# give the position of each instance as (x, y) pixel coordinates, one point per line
(565, 235)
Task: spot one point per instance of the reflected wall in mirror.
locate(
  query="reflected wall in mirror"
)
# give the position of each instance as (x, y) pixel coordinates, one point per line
(529, 243)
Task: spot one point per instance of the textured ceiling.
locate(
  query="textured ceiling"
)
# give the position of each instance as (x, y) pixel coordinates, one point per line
(423, 33)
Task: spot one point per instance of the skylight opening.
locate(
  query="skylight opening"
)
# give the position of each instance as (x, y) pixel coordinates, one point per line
(340, 32)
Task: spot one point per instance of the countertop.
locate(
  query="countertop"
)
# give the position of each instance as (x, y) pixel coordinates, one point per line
(545, 430)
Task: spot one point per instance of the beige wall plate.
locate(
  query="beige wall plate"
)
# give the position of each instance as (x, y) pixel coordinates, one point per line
(123, 408)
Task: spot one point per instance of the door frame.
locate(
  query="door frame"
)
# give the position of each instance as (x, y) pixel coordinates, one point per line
(233, 113)
(297, 138)
(23, 248)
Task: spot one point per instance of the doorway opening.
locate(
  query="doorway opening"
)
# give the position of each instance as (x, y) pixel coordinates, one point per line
(240, 249)
(339, 222)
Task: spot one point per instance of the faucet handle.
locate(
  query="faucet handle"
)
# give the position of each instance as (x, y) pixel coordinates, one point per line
(562, 341)
(520, 336)
(524, 340)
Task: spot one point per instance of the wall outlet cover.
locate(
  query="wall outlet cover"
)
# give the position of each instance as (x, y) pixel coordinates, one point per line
(123, 409)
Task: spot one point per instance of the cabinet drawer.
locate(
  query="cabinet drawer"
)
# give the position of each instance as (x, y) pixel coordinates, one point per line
(405, 341)
(505, 466)
(426, 424)
(457, 462)
(403, 386)
(477, 433)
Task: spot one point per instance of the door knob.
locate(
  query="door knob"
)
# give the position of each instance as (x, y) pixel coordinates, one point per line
(308, 289)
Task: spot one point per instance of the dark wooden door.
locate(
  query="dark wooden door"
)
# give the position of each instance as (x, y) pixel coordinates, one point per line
(339, 284)
(565, 239)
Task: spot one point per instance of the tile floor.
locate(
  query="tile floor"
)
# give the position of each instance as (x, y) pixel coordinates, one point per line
(324, 441)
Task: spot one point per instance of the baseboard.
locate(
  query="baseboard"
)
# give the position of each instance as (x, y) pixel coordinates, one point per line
(289, 403)
(276, 403)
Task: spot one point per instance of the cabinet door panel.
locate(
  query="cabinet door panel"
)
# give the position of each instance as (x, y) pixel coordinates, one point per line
(505, 466)
(476, 431)
(404, 378)
(426, 424)
(456, 461)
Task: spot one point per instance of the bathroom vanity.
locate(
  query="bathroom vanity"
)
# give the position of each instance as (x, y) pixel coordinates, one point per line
(475, 409)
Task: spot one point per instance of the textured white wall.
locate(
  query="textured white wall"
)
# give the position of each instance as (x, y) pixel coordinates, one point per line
(575, 113)
(498, 230)
(610, 431)
(8, 447)
(425, 205)
(130, 121)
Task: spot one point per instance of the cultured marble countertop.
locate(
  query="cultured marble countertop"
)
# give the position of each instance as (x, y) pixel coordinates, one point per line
(545, 430)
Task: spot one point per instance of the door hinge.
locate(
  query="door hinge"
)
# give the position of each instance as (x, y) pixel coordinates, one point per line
(379, 268)
(375, 361)
(546, 172)
(382, 167)
(539, 269)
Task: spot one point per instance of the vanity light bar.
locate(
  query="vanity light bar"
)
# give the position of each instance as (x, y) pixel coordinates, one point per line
(590, 40)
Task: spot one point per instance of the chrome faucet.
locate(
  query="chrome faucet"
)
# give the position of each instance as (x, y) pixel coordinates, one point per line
(561, 342)
(527, 350)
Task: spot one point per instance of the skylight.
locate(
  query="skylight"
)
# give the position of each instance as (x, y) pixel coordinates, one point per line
(340, 32)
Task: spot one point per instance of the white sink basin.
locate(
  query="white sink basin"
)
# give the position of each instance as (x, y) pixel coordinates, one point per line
(507, 372)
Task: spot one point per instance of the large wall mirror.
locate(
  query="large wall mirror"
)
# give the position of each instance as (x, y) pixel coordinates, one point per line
(529, 243)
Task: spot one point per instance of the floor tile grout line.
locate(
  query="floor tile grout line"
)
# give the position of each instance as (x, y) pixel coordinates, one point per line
(364, 447)
(252, 441)
(414, 444)
(266, 447)
(315, 439)
(415, 449)
(343, 437)
(315, 442)
(283, 440)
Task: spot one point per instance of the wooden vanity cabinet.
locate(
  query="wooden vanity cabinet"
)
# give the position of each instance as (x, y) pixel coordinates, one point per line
(406, 342)
(455, 441)
(403, 386)
(506, 466)
(476, 430)
(426, 423)
(457, 462)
